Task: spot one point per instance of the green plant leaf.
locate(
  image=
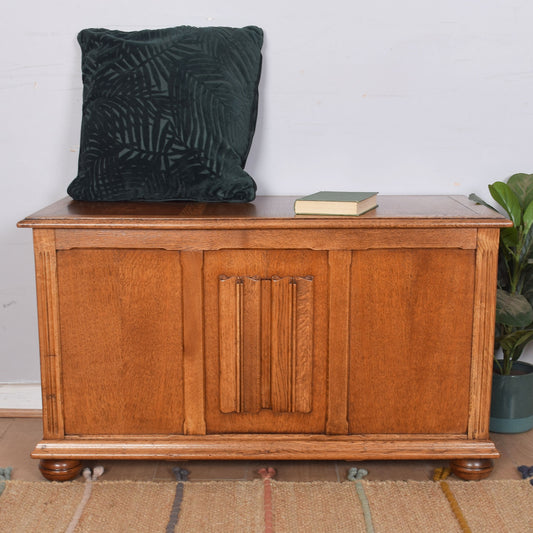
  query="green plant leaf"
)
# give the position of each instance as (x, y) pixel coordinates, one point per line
(509, 236)
(527, 287)
(525, 247)
(527, 218)
(513, 309)
(526, 252)
(507, 198)
(521, 343)
(514, 343)
(522, 185)
(475, 198)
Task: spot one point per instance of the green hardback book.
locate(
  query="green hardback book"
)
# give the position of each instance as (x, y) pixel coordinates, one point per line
(336, 203)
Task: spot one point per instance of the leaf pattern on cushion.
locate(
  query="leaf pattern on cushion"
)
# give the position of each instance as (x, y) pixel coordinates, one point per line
(168, 114)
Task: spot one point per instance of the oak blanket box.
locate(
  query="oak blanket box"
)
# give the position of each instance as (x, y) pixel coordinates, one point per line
(184, 331)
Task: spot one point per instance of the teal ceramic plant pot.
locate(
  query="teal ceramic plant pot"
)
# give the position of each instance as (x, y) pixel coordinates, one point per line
(512, 400)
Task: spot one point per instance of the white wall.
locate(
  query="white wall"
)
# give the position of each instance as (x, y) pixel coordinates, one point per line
(417, 96)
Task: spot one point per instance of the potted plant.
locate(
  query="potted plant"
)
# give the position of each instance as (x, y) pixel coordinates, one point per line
(512, 385)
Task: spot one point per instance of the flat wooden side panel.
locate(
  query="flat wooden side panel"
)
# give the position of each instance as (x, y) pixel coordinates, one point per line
(49, 332)
(122, 341)
(411, 338)
(483, 334)
(265, 340)
(339, 340)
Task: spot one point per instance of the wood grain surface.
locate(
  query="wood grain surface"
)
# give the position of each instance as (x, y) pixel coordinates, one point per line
(241, 331)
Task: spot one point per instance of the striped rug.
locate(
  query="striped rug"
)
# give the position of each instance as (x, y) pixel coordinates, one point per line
(267, 505)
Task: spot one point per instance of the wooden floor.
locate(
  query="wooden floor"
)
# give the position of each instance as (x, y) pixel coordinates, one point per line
(18, 437)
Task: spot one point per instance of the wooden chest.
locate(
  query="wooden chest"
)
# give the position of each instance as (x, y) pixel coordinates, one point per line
(241, 331)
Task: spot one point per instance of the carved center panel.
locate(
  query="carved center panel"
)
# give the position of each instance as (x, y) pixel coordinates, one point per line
(265, 343)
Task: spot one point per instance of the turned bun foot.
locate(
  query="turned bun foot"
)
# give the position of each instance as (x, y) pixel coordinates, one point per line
(59, 469)
(472, 469)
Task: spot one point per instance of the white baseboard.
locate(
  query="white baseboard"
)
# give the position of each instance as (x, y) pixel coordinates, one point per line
(15, 396)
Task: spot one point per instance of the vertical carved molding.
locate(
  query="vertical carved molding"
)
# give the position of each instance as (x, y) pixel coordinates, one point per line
(483, 332)
(251, 342)
(282, 351)
(265, 343)
(231, 343)
(303, 338)
(49, 332)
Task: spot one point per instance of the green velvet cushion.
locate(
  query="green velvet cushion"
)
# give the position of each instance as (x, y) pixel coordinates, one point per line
(168, 114)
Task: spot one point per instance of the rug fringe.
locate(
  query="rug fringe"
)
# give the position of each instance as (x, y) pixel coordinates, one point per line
(181, 474)
(357, 474)
(89, 477)
(440, 475)
(267, 474)
(5, 475)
